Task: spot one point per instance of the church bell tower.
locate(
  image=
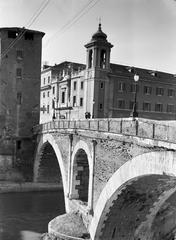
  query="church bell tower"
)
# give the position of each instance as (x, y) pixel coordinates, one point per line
(97, 68)
(98, 51)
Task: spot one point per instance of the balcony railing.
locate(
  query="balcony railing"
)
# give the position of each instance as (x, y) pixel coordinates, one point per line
(46, 87)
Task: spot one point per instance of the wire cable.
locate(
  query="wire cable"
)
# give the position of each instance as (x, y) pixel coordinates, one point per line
(73, 20)
(12, 44)
(36, 12)
(70, 22)
(31, 21)
(39, 11)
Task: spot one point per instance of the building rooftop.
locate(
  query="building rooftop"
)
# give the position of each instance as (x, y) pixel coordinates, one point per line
(66, 64)
(18, 29)
(117, 69)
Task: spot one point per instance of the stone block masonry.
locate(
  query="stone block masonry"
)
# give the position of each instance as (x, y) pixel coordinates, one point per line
(109, 167)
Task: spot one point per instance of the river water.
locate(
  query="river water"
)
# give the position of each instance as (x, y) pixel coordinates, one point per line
(23, 215)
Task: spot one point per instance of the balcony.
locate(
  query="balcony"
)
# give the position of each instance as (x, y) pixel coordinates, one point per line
(47, 87)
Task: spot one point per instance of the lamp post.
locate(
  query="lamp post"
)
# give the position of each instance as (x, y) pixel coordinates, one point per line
(54, 114)
(93, 108)
(134, 113)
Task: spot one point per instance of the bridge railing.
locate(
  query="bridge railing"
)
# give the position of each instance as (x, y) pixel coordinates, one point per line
(142, 127)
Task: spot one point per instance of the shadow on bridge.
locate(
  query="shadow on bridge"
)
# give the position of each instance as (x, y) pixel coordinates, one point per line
(142, 208)
(48, 170)
(80, 178)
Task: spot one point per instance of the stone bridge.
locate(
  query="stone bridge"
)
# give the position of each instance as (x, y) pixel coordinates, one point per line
(119, 175)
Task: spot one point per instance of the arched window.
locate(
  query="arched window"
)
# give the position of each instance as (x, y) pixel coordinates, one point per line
(103, 59)
(90, 58)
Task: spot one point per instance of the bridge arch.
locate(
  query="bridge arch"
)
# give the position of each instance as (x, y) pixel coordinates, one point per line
(82, 173)
(49, 145)
(159, 166)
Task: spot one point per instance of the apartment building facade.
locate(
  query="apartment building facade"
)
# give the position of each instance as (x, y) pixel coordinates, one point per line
(59, 91)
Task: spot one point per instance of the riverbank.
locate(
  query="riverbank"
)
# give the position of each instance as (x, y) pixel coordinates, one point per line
(7, 187)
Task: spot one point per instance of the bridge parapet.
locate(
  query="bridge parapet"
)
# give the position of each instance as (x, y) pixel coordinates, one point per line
(140, 127)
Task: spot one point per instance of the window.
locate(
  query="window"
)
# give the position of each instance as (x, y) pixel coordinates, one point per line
(74, 85)
(101, 85)
(159, 91)
(158, 107)
(43, 109)
(121, 87)
(90, 59)
(19, 98)
(103, 59)
(19, 54)
(18, 72)
(43, 94)
(147, 106)
(43, 81)
(101, 106)
(18, 144)
(132, 104)
(153, 73)
(74, 100)
(53, 90)
(29, 36)
(81, 102)
(170, 108)
(48, 79)
(147, 90)
(82, 85)
(48, 93)
(47, 108)
(121, 104)
(171, 92)
(63, 97)
(53, 104)
(12, 34)
(134, 88)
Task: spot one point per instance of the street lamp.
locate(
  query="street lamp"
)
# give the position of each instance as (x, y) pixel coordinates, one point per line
(134, 113)
(54, 114)
(93, 108)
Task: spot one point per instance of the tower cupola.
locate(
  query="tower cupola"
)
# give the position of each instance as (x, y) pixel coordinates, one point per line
(98, 50)
(99, 35)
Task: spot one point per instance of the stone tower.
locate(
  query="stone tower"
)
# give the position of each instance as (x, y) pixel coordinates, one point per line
(20, 68)
(97, 68)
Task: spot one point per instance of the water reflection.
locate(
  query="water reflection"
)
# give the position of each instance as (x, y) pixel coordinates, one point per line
(23, 215)
(29, 235)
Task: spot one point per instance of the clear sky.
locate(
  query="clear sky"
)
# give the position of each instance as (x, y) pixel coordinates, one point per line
(143, 32)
